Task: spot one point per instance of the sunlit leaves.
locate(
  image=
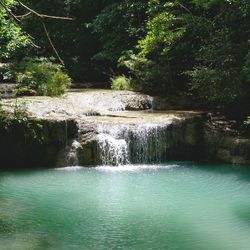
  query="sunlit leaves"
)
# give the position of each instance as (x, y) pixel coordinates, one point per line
(12, 38)
(161, 35)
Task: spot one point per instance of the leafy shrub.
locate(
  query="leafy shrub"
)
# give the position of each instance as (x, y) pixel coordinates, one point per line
(6, 72)
(43, 77)
(14, 42)
(25, 91)
(247, 121)
(247, 67)
(20, 112)
(121, 83)
(149, 76)
(215, 87)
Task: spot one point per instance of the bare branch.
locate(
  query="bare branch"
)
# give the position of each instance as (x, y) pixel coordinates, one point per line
(58, 17)
(24, 15)
(15, 18)
(43, 15)
(51, 43)
(9, 12)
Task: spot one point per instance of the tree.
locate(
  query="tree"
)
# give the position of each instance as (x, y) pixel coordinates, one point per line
(218, 76)
(13, 42)
(74, 41)
(119, 26)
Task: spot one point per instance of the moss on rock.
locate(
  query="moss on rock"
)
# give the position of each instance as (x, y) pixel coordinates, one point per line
(33, 142)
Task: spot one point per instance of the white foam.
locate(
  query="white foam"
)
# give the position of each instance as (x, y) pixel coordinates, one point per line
(70, 168)
(134, 168)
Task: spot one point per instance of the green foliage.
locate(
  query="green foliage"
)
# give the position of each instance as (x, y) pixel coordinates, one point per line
(20, 118)
(205, 3)
(121, 83)
(247, 67)
(151, 65)
(218, 75)
(25, 91)
(146, 73)
(167, 47)
(20, 112)
(162, 34)
(195, 46)
(119, 26)
(43, 77)
(214, 86)
(13, 42)
(247, 122)
(8, 72)
(74, 40)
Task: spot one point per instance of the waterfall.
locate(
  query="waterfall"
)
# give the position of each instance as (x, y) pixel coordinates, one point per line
(111, 141)
(113, 144)
(72, 153)
(148, 143)
(72, 147)
(135, 143)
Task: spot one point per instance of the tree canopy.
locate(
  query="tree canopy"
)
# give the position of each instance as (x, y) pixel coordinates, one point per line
(199, 48)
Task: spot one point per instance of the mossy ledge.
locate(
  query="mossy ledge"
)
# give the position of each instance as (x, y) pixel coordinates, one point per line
(55, 132)
(34, 142)
(225, 143)
(43, 143)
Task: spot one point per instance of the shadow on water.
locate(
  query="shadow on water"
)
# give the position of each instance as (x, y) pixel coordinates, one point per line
(14, 225)
(7, 220)
(241, 171)
(183, 233)
(7, 224)
(96, 210)
(45, 242)
(32, 243)
(242, 211)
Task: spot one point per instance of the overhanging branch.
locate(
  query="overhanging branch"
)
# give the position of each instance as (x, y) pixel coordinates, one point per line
(16, 20)
(41, 17)
(51, 43)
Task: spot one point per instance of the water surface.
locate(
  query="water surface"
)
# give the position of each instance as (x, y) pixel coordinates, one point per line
(168, 206)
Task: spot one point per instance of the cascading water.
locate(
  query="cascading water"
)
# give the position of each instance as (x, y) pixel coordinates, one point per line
(113, 144)
(109, 128)
(135, 143)
(72, 153)
(148, 143)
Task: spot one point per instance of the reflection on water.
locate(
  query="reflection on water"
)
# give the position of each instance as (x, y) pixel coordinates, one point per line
(242, 211)
(167, 206)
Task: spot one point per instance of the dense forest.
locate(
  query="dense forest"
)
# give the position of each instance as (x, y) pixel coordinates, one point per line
(194, 50)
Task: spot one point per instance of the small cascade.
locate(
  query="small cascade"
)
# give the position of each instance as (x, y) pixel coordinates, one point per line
(94, 127)
(72, 153)
(148, 143)
(113, 145)
(73, 147)
(136, 143)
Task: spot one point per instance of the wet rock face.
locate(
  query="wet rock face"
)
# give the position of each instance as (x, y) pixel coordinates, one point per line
(224, 143)
(143, 138)
(142, 102)
(7, 90)
(34, 143)
(111, 127)
(62, 130)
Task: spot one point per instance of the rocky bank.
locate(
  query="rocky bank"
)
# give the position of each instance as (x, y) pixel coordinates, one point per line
(91, 127)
